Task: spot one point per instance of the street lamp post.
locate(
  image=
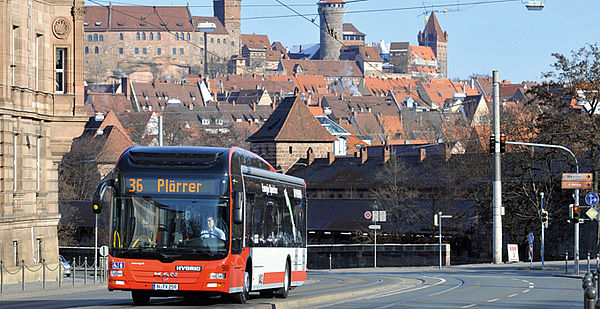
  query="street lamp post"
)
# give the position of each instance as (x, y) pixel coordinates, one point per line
(206, 27)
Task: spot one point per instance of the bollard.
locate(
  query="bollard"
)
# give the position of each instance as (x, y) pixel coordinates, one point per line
(1, 275)
(43, 274)
(588, 262)
(73, 271)
(566, 262)
(596, 279)
(589, 297)
(85, 270)
(22, 275)
(586, 284)
(329, 261)
(59, 272)
(597, 261)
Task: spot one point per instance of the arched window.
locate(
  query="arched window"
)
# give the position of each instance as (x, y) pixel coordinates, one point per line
(87, 50)
(95, 37)
(144, 36)
(89, 38)
(182, 37)
(187, 36)
(121, 36)
(96, 50)
(212, 40)
(176, 36)
(151, 36)
(158, 36)
(218, 41)
(137, 36)
(101, 38)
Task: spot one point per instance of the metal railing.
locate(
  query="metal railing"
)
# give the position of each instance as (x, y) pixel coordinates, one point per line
(82, 269)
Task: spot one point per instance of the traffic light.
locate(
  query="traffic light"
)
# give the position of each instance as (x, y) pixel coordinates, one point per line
(502, 143)
(574, 212)
(545, 218)
(97, 207)
(492, 143)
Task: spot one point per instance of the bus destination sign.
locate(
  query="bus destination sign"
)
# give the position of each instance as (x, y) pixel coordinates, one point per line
(170, 185)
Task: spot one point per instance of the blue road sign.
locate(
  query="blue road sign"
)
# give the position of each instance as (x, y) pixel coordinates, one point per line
(592, 198)
(531, 239)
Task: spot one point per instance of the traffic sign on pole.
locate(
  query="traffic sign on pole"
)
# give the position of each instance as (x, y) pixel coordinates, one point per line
(591, 198)
(368, 215)
(592, 213)
(531, 238)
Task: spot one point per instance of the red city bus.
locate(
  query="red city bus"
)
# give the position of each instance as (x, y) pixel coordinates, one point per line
(198, 219)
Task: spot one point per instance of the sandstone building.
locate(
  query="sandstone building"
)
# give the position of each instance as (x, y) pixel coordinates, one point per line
(433, 36)
(41, 111)
(331, 13)
(164, 40)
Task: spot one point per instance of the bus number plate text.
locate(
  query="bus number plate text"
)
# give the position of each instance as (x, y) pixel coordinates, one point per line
(165, 287)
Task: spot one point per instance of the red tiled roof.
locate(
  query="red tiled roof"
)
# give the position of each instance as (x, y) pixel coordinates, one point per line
(148, 18)
(159, 94)
(105, 102)
(327, 68)
(433, 27)
(348, 27)
(370, 53)
(209, 19)
(392, 127)
(438, 90)
(422, 53)
(256, 41)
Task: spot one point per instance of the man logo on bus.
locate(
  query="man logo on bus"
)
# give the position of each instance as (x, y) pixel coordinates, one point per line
(269, 189)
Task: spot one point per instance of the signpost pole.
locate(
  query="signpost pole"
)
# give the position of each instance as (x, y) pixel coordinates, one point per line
(440, 240)
(375, 249)
(542, 211)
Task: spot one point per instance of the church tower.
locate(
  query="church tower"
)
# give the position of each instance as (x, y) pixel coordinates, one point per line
(331, 13)
(229, 12)
(434, 37)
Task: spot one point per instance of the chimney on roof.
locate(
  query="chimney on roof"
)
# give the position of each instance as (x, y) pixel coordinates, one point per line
(233, 103)
(386, 153)
(363, 155)
(422, 154)
(125, 86)
(273, 105)
(330, 158)
(254, 107)
(310, 156)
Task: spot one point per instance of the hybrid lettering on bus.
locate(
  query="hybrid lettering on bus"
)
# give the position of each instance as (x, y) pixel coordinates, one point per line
(200, 219)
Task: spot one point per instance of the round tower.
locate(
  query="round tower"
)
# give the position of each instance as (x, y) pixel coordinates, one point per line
(331, 13)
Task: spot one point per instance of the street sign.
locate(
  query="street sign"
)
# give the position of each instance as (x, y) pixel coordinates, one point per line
(379, 215)
(368, 215)
(592, 213)
(375, 227)
(577, 176)
(576, 184)
(531, 238)
(104, 251)
(591, 198)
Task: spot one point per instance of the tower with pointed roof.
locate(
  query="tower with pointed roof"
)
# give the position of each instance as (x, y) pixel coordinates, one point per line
(331, 14)
(434, 37)
(288, 134)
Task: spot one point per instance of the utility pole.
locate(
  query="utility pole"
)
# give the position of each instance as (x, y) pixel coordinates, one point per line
(497, 173)
(542, 209)
(437, 220)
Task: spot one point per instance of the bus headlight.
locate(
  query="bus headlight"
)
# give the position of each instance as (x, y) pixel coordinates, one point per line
(218, 276)
(116, 273)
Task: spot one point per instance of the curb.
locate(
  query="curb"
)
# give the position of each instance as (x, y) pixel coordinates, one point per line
(51, 291)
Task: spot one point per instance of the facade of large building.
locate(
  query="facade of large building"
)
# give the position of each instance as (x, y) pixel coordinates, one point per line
(166, 41)
(41, 111)
(433, 36)
(331, 13)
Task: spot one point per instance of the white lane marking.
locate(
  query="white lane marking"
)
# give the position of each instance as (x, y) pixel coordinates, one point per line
(531, 286)
(525, 281)
(426, 296)
(492, 300)
(525, 291)
(469, 306)
(512, 295)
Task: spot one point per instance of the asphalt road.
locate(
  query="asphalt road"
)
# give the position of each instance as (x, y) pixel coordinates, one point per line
(473, 286)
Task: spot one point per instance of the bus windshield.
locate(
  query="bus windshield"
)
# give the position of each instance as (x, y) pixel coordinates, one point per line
(170, 228)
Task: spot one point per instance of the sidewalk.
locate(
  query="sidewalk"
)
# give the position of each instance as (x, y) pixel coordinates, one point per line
(16, 291)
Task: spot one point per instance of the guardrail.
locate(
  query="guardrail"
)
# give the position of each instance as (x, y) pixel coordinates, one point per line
(31, 272)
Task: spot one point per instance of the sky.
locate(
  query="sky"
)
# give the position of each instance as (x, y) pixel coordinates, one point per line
(482, 35)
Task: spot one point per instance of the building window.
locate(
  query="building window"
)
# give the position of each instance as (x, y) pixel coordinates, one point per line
(38, 243)
(137, 50)
(224, 41)
(181, 51)
(87, 50)
(137, 36)
(201, 39)
(212, 40)
(144, 51)
(89, 38)
(151, 36)
(205, 122)
(96, 50)
(39, 59)
(120, 50)
(38, 164)
(101, 38)
(158, 36)
(143, 36)
(182, 37)
(60, 69)
(120, 36)
(95, 37)
(15, 162)
(16, 252)
(174, 51)
(290, 149)
(176, 36)
(218, 41)
(15, 46)
(158, 51)
(232, 44)
(187, 36)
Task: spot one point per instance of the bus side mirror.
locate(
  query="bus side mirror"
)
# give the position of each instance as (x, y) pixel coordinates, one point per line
(238, 207)
(98, 198)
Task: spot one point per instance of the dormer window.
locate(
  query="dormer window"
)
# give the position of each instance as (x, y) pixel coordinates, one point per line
(145, 97)
(120, 24)
(205, 122)
(219, 122)
(142, 24)
(98, 23)
(179, 24)
(86, 23)
(193, 98)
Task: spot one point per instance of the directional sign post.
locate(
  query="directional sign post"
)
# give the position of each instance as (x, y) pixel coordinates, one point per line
(592, 213)
(377, 216)
(439, 221)
(531, 238)
(592, 198)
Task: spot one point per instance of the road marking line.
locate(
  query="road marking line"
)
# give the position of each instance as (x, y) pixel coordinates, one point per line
(525, 281)
(525, 291)
(492, 300)
(512, 295)
(469, 306)
(531, 286)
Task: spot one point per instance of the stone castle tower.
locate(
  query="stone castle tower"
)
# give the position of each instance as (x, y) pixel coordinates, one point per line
(229, 12)
(434, 37)
(331, 13)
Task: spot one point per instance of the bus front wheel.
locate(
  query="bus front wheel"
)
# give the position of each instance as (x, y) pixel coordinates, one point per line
(140, 298)
(242, 296)
(285, 290)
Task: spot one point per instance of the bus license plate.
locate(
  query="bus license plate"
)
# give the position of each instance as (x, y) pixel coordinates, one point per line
(165, 286)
